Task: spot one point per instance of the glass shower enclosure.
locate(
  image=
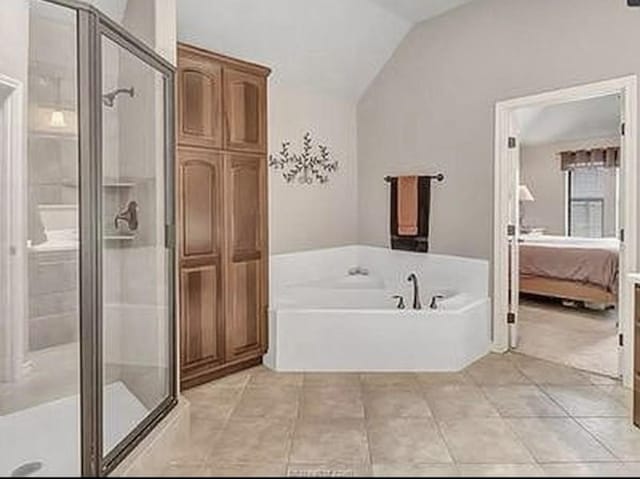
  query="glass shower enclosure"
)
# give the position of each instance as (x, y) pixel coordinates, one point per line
(87, 332)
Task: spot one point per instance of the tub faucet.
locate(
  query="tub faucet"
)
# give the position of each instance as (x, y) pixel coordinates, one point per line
(416, 291)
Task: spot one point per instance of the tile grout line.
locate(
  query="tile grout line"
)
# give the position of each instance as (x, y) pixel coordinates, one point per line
(505, 419)
(569, 415)
(544, 392)
(366, 424)
(207, 462)
(295, 421)
(436, 423)
(596, 439)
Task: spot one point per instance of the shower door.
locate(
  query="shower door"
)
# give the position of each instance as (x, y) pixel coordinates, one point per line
(135, 241)
(127, 293)
(136, 308)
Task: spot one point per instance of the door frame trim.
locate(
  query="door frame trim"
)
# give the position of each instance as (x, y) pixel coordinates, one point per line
(626, 87)
(13, 227)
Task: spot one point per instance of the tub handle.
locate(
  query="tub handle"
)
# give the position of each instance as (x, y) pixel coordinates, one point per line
(434, 301)
(400, 299)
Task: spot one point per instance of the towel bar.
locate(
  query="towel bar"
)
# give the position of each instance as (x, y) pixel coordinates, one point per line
(438, 177)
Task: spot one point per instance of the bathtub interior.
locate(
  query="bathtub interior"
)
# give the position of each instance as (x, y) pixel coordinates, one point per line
(320, 279)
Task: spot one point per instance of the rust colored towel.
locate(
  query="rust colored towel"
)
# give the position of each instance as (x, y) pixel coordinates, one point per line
(407, 205)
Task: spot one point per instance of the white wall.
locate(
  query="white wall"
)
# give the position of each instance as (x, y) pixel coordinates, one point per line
(14, 33)
(157, 28)
(304, 217)
(540, 171)
(166, 29)
(432, 106)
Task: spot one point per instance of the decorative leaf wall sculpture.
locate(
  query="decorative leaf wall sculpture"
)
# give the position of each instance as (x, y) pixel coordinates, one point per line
(306, 167)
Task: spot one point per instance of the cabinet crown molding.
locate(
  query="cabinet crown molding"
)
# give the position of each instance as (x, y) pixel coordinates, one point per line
(249, 67)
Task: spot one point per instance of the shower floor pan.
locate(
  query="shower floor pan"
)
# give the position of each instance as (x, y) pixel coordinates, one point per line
(48, 434)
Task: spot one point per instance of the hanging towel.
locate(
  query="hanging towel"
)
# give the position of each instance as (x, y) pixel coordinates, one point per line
(409, 213)
(407, 205)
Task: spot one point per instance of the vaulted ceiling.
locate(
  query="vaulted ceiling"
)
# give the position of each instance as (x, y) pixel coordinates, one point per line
(419, 10)
(337, 46)
(578, 120)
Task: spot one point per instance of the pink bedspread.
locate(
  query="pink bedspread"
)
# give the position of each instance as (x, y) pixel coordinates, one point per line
(583, 263)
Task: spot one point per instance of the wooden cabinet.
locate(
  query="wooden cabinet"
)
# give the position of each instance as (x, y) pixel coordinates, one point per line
(222, 214)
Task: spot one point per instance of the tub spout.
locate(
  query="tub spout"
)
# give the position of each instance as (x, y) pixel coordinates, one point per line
(416, 291)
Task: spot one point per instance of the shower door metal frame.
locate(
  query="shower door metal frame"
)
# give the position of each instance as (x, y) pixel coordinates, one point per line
(92, 26)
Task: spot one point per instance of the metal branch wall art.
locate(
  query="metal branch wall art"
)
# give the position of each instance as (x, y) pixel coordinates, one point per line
(306, 167)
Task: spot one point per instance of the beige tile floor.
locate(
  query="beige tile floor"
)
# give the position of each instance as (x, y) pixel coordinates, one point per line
(577, 337)
(503, 415)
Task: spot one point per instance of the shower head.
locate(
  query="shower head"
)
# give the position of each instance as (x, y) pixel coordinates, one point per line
(109, 99)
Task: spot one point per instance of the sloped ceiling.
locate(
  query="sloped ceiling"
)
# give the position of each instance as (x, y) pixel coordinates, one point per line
(419, 10)
(579, 120)
(337, 46)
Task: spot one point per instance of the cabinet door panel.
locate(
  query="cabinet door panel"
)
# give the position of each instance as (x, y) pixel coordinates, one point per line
(245, 221)
(201, 320)
(245, 106)
(247, 238)
(201, 216)
(244, 324)
(199, 101)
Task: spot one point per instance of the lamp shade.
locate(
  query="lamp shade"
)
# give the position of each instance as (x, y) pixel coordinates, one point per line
(524, 194)
(57, 119)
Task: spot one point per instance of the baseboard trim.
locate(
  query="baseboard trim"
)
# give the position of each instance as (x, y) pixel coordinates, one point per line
(193, 380)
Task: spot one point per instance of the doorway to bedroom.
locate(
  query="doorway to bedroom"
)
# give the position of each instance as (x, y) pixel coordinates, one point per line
(567, 202)
(568, 245)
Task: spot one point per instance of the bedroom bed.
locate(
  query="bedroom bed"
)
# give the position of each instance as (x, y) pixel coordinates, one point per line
(579, 269)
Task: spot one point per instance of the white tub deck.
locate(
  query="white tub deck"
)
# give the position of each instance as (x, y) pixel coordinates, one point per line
(325, 321)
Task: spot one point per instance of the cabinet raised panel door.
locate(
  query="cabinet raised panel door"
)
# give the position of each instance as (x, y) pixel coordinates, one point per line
(245, 109)
(200, 105)
(201, 213)
(201, 219)
(247, 277)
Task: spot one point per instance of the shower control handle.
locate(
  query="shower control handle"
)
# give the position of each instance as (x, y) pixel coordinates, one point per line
(129, 215)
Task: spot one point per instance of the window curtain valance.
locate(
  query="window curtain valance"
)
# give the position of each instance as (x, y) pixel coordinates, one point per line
(597, 157)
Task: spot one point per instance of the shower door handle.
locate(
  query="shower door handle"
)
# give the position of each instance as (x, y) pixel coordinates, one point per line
(170, 236)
